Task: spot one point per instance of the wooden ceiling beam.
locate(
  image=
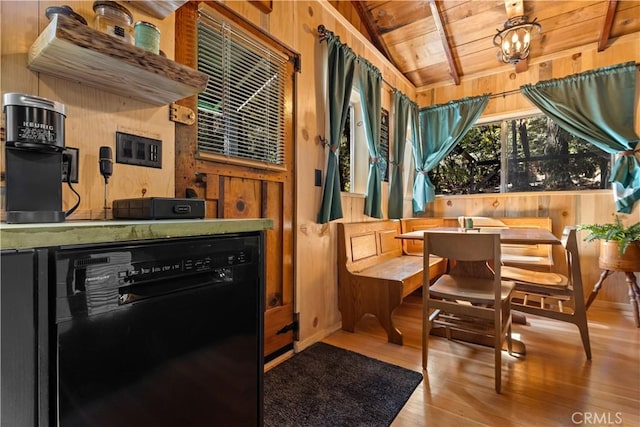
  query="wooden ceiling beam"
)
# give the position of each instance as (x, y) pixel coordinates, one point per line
(514, 8)
(608, 23)
(437, 18)
(366, 19)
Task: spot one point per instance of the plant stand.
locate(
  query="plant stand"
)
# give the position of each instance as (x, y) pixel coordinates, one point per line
(610, 262)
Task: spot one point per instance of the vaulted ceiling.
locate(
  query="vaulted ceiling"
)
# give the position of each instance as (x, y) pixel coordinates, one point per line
(436, 41)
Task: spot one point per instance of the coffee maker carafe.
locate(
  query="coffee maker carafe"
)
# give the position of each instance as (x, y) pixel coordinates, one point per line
(34, 129)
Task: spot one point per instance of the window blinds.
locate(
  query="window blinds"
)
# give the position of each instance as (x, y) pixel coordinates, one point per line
(241, 112)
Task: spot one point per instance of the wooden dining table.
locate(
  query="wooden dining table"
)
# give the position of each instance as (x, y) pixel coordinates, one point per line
(519, 236)
(516, 236)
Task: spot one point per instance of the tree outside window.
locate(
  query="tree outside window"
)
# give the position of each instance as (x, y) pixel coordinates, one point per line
(536, 153)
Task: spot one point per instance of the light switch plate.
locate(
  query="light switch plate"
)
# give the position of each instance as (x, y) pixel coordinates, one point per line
(138, 150)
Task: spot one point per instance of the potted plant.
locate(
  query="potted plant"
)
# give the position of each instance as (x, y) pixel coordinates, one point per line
(619, 244)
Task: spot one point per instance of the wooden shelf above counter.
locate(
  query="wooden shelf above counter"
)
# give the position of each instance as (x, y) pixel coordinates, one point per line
(74, 51)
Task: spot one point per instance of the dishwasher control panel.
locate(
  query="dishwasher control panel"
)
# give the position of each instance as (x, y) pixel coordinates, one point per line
(100, 279)
(161, 269)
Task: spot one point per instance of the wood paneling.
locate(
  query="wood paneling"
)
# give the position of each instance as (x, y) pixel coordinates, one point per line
(406, 31)
(93, 115)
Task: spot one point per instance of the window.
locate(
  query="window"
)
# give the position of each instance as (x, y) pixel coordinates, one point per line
(344, 152)
(353, 153)
(241, 112)
(383, 161)
(525, 154)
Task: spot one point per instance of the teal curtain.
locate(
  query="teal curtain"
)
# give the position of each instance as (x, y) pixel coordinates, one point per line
(441, 127)
(370, 80)
(340, 74)
(403, 110)
(598, 106)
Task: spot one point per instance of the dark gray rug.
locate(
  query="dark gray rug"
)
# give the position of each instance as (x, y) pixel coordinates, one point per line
(329, 386)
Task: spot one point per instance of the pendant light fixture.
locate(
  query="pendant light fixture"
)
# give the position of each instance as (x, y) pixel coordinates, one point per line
(515, 38)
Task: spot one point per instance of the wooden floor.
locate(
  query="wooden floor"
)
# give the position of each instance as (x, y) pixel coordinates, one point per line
(553, 385)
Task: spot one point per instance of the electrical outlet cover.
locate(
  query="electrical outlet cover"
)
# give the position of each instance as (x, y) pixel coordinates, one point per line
(73, 174)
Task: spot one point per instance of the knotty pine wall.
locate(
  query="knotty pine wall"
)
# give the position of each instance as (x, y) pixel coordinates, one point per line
(564, 208)
(94, 116)
(295, 23)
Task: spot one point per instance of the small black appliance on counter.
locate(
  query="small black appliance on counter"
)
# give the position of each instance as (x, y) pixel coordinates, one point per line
(33, 153)
(158, 208)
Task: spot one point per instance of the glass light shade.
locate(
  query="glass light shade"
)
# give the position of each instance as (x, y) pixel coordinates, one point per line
(515, 39)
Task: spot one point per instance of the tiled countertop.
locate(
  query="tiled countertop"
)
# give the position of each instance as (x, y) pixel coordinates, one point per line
(21, 236)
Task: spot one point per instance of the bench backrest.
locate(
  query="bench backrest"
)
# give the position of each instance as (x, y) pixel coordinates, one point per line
(413, 246)
(363, 244)
(543, 251)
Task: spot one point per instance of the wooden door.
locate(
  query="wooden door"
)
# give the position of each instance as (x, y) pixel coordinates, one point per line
(237, 189)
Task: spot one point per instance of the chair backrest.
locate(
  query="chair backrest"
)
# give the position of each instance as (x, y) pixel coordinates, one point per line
(463, 246)
(569, 241)
(469, 253)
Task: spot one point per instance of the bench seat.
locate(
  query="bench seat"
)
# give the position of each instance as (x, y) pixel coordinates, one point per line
(374, 275)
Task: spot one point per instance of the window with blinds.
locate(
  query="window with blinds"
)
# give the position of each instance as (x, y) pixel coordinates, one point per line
(241, 112)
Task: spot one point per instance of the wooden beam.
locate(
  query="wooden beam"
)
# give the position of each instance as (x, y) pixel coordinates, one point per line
(437, 18)
(522, 65)
(514, 8)
(374, 36)
(606, 28)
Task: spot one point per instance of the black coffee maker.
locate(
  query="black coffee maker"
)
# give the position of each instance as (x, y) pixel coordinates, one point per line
(34, 143)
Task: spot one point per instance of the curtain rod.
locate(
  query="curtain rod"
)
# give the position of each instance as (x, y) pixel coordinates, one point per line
(514, 91)
(505, 93)
(322, 31)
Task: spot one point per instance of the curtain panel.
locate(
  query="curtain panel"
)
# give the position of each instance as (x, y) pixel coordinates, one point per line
(599, 107)
(441, 127)
(341, 62)
(370, 80)
(404, 110)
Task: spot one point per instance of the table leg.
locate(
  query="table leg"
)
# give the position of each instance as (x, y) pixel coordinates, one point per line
(596, 288)
(634, 296)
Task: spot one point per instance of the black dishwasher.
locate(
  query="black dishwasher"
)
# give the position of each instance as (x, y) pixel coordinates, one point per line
(159, 333)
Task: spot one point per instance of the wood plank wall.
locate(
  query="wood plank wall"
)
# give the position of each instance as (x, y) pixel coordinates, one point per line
(565, 208)
(94, 116)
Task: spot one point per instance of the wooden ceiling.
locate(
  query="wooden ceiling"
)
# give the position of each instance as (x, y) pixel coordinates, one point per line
(440, 41)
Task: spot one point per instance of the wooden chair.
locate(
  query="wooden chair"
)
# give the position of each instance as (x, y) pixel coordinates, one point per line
(553, 295)
(470, 297)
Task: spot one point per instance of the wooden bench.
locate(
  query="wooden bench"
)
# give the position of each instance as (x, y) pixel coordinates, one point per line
(537, 257)
(374, 275)
(415, 247)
